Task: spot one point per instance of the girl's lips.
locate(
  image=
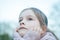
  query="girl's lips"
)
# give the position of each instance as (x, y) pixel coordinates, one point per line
(22, 28)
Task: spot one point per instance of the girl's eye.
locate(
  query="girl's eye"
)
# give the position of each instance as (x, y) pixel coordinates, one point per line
(30, 19)
(20, 20)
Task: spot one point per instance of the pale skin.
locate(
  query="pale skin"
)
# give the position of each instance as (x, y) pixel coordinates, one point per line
(29, 22)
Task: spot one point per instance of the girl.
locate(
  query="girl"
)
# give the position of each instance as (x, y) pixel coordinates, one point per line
(33, 26)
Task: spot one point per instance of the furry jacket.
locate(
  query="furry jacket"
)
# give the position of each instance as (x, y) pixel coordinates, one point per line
(47, 36)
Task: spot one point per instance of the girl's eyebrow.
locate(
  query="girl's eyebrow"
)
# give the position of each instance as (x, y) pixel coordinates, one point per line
(26, 16)
(20, 17)
(30, 16)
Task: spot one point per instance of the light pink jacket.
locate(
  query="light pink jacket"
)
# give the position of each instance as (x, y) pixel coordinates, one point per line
(47, 36)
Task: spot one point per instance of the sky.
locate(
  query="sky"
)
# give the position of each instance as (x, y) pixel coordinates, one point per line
(10, 9)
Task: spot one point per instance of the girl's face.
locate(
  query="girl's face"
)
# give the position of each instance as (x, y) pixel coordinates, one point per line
(28, 22)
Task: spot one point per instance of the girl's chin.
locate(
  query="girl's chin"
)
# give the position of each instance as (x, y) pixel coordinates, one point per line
(22, 32)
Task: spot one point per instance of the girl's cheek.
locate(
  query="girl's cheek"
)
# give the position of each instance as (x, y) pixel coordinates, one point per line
(32, 25)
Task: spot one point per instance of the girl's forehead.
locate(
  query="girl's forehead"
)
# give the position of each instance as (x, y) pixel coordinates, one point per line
(27, 13)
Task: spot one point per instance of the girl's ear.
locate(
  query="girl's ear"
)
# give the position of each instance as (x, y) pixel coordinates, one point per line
(44, 28)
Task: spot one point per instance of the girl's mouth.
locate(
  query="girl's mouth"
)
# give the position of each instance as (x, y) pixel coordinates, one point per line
(22, 28)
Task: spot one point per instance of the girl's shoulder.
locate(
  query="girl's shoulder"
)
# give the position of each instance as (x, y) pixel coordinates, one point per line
(49, 36)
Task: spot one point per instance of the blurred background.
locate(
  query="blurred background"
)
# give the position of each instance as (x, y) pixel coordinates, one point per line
(10, 10)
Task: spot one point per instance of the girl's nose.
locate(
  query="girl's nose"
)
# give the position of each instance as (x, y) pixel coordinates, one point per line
(22, 23)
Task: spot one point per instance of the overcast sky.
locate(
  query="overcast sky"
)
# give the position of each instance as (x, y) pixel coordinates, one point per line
(10, 9)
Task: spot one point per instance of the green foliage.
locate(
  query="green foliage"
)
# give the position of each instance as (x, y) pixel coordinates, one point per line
(5, 37)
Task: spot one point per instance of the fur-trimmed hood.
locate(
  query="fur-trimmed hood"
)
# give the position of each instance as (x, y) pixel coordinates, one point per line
(47, 36)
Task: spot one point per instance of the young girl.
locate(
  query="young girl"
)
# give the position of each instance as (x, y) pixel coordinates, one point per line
(33, 26)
